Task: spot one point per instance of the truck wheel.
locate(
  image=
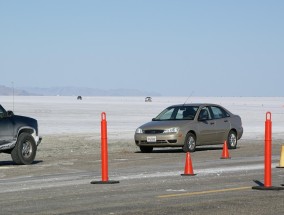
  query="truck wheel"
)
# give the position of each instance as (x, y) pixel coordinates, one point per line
(24, 151)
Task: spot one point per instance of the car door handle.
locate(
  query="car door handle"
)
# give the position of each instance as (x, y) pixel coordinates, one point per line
(225, 120)
(212, 123)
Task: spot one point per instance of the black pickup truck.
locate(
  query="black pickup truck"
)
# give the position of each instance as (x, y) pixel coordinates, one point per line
(18, 136)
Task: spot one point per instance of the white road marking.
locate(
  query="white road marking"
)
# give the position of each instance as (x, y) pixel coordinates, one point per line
(171, 190)
(80, 178)
(6, 167)
(200, 172)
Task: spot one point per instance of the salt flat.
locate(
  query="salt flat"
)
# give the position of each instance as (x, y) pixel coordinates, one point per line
(68, 159)
(67, 115)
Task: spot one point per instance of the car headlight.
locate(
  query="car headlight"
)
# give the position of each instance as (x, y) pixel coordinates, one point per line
(139, 131)
(171, 130)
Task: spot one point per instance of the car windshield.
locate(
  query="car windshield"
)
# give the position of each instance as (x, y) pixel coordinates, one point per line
(177, 113)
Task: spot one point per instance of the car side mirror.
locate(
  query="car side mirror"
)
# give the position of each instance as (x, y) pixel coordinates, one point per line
(153, 119)
(10, 113)
(203, 118)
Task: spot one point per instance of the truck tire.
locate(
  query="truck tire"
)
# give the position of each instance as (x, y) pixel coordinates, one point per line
(24, 151)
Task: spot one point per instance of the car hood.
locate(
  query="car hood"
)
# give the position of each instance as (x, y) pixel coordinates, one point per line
(165, 124)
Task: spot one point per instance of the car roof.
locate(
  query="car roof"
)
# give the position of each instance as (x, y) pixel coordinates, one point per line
(195, 104)
(201, 104)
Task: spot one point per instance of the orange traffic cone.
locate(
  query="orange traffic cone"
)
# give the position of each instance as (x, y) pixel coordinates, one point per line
(281, 163)
(188, 170)
(225, 153)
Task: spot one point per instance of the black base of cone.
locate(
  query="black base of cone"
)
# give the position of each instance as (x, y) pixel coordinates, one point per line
(187, 174)
(267, 188)
(225, 158)
(280, 167)
(104, 182)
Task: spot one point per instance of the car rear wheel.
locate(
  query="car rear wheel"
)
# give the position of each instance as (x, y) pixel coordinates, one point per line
(24, 151)
(190, 143)
(146, 149)
(232, 140)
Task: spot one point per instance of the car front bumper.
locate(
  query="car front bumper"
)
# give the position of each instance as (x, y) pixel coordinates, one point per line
(159, 140)
(38, 140)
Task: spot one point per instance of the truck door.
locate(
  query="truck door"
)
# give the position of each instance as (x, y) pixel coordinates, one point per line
(6, 127)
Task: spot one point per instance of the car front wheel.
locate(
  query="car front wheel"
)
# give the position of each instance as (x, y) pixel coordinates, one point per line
(190, 143)
(232, 140)
(24, 151)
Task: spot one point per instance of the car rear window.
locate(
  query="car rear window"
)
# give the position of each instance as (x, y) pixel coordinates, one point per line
(219, 112)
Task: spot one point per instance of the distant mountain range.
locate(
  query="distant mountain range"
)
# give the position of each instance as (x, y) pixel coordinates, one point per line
(72, 91)
(7, 91)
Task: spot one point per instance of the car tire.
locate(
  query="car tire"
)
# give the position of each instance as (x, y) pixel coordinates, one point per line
(190, 143)
(146, 149)
(24, 151)
(232, 140)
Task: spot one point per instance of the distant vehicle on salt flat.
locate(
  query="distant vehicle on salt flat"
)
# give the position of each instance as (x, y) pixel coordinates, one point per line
(18, 136)
(148, 99)
(188, 126)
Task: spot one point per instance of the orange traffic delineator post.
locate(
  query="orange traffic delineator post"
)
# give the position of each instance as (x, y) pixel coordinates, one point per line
(188, 170)
(225, 152)
(104, 153)
(281, 162)
(267, 157)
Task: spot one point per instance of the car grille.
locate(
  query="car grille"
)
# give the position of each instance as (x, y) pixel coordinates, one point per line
(158, 141)
(172, 141)
(153, 131)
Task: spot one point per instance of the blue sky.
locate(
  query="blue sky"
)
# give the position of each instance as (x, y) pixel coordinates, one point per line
(173, 47)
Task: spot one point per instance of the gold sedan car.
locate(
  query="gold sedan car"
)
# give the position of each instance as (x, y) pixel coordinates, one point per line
(188, 126)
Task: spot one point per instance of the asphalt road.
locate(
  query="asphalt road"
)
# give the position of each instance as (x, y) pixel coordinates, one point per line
(148, 184)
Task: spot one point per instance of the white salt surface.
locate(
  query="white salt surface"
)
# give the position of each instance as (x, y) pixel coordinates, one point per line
(67, 115)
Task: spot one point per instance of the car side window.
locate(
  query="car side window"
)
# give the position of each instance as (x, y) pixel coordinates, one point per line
(218, 112)
(205, 114)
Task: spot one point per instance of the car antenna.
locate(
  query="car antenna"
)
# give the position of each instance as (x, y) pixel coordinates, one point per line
(188, 97)
(13, 95)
